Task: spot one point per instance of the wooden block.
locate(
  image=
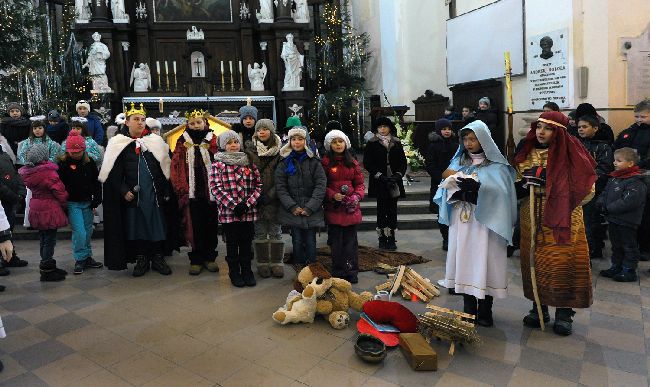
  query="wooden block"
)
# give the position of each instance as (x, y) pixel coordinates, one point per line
(418, 352)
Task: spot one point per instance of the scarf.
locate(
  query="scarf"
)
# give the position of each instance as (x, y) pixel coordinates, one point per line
(139, 143)
(627, 172)
(189, 157)
(232, 158)
(570, 174)
(291, 166)
(264, 150)
(385, 140)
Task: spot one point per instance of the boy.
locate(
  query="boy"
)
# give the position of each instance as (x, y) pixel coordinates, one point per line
(246, 126)
(57, 128)
(94, 126)
(602, 153)
(16, 127)
(622, 202)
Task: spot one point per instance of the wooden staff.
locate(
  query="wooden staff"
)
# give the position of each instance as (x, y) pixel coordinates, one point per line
(533, 240)
(510, 143)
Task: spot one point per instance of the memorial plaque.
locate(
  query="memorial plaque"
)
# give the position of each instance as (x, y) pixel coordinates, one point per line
(637, 51)
(548, 69)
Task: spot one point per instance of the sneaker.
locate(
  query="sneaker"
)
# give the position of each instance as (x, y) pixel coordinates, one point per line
(211, 266)
(92, 264)
(195, 269)
(79, 267)
(611, 272)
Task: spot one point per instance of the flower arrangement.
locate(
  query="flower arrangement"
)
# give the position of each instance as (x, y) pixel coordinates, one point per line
(413, 157)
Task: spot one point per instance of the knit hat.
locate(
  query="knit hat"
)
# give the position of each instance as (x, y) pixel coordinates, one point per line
(37, 153)
(82, 103)
(248, 110)
(226, 136)
(585, 109)
(292, 121)
(53, 115)
(120, 119)
(300, 131)
(153, 123)
(485, 100)
(385, 121)
(75, 143)
(332, 134)
(15, 105)
(333, 125)
(265, 123)
(442, 123)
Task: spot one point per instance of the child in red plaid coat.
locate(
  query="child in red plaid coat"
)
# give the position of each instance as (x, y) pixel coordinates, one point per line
(236, 184)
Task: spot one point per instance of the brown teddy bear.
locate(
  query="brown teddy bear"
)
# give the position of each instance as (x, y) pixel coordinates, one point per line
(337, 300)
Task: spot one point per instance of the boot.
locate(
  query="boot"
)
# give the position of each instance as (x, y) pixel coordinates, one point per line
(382, 238)
(15, 261)
(626, 275)
(141, 265)
(49, 273)
(158, 264)
(563, 321)
(390, 239)
(277, 256)
(484, 316)
(611, 272)
(246, 273)
(532, 319)
(262, 251)
(469, 305)
(234, 272)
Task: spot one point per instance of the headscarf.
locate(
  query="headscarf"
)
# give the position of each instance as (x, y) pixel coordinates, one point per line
(570, 174)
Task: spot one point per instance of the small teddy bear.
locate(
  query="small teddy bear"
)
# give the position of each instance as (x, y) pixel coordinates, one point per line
(302, 307)
(337, 300)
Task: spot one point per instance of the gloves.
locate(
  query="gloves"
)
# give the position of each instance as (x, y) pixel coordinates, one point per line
(466, 196)
(240, 209)
(535, 176)
(468, 185)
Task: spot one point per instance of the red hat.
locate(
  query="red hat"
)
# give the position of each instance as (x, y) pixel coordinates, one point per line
(75, 143)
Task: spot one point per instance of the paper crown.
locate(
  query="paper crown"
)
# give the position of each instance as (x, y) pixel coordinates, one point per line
(133, 110)
(197, 114)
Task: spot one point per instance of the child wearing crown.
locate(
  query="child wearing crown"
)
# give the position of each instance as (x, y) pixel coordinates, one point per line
(191, 161)
(135, 174)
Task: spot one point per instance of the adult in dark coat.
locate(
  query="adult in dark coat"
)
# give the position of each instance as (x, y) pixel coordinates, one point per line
(135, 174)
(15, 126)
(385, 162)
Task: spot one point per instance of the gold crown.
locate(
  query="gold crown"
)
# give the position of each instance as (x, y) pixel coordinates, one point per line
(133, 110)
(197, 114)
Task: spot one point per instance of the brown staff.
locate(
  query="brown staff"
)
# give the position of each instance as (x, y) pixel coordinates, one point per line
(533, 240)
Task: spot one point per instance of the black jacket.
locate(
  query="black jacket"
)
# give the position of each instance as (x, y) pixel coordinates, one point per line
(438, 155)
(59, 131)
(637, 137)
(623, 200)
(80, 180)
(489, 117)
(12, 188)
(602, 153)
(604, 133)
(376, 159)
(15, 130)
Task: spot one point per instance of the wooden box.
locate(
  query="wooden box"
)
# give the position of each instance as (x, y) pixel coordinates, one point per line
(418, 352)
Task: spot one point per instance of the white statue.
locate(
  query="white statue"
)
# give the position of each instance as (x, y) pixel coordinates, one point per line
(256, 76)
(194, 34)
(265, 15)
(140, 78)
(82, 9)
(96, 63)
(293, 63)
(119, 12)
(301, 14)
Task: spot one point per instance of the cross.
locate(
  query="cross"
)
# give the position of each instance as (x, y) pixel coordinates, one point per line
(198, 67)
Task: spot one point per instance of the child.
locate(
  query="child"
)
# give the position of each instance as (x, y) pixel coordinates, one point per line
(385, 162)
(154, 125)
(622, 202)
(345, 189)
(268, 245)
(235, 183)
(12, 192)
(79, 175)
(561, 174)
(478, 202)
(601, 152)
(246, 126)
(94, 126)
(57, 128)
(15, 128)
(300, 184)
(47, 206)
(191, 162)
(93, 150)
(442, 146)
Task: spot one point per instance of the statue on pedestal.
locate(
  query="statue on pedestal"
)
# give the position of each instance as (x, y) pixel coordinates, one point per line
(293, 63)
(256, 76)
(301, 14)
(119, 12)
(82, 10)
(96, 63)
(265, 15)
(140, 78)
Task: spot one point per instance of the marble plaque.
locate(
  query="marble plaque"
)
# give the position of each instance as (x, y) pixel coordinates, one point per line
(637, 51)
(548, 69)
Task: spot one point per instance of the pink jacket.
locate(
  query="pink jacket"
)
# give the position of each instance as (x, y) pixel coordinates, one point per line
(338, 176)
(49, 197)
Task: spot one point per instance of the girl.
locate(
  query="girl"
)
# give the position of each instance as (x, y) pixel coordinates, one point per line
(478, 202)
(79, 175)
(235, 183)
(558, 172)
(78, 125)
(48, 201)
(246, 126)
(268, 245)
(300, 184)
(345, 189)
(385, 162)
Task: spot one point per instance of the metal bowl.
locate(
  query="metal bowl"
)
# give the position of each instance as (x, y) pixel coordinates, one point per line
(370, 349)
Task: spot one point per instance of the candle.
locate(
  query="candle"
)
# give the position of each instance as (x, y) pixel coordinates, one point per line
(174, 67)
(230, 64)
(160, 104)
(240, 67)
(166, 68)
(221, 67)
(158, 67)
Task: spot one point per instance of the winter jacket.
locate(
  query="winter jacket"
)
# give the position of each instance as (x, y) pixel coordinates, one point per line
(602, 153)
(636, 136)
(489, 117)
(12, 188)
(130, 170)
(604, 133)
(95, 129)
(245, 135)
(623, 200)
(232, 184)
(49, 196)
(25, 145)
(58, 132)
(305, 189)
(339, 175)
(267, 205)
(93, 150)
(80, 180)
(15, 130)
(438, 155)
(376, 159)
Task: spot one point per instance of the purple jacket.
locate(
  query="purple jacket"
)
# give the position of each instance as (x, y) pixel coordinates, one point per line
(49, 197)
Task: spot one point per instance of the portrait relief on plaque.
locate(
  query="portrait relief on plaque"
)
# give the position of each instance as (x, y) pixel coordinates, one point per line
(205, 11)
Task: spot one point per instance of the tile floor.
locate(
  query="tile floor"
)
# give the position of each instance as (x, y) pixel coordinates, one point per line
(106, 328)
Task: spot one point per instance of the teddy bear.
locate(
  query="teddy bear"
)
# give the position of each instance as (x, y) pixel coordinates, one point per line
(301, 307)
(334, 303)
